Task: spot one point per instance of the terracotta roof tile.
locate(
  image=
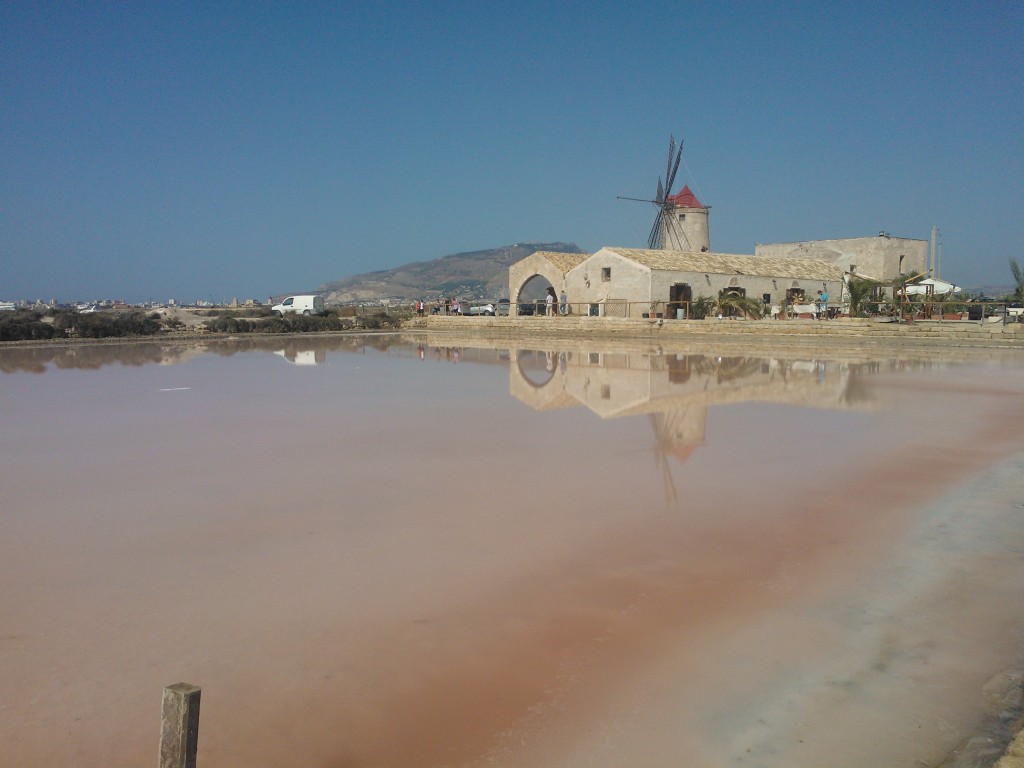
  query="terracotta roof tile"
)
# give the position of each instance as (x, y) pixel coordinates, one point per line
(684, 198)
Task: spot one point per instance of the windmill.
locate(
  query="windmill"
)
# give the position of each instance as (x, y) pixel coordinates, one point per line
(672, 230)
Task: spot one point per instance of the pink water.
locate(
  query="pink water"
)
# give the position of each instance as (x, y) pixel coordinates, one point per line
(438, 556)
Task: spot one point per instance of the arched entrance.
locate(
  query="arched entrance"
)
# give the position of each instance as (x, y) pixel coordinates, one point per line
(529, 279)
(530, 298)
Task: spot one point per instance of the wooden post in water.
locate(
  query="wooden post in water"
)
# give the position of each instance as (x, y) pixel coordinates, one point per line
(179, 726)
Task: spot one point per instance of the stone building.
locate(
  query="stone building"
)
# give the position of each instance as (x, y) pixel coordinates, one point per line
(882, 257)
(552, 266)
(629, 282)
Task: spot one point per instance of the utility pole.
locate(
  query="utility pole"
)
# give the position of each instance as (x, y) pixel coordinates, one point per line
(931, 267)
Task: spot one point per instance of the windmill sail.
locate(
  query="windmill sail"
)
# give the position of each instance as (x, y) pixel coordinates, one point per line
(667, 231)
(656, 240)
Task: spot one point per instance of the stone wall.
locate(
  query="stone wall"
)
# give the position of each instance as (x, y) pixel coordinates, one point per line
(874, 257)
(627, 280)
(640, 286)
(922, 332)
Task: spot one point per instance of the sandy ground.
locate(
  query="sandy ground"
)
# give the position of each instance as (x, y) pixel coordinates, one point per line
(514, 602)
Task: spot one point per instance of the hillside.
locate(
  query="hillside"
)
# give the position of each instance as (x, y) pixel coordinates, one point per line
(471, 275)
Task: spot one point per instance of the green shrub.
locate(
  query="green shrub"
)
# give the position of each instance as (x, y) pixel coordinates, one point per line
(307, 323)
(701, 307)
(379, 322)
(227, 324)
(101, 325)
(24, 326)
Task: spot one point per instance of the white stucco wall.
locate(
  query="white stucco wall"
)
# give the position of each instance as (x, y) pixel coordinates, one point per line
(629, 281)
(687, 234)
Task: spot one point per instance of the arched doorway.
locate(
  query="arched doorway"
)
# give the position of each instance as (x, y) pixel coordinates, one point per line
(530, 297)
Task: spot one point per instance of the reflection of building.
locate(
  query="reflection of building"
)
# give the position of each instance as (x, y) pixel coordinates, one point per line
(303, 356)
(616, 384)
(674, 390)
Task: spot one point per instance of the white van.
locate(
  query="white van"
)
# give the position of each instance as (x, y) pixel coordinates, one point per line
(305, 305)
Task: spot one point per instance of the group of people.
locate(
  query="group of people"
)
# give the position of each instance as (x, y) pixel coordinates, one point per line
(553, 304)
(441, 307)
(550, 300)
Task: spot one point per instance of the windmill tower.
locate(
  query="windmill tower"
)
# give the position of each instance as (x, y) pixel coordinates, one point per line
(682, 220)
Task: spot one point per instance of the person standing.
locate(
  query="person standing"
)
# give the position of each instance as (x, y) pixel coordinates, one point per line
(549, 301)
(562, 302)
(823, 309)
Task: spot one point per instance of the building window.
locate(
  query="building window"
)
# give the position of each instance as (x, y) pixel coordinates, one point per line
(606, 274)
(594, 358)
(682, 216)
(606, 392)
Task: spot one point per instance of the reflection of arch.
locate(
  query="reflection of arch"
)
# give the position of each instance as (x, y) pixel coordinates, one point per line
(538, 384)
(537, 368)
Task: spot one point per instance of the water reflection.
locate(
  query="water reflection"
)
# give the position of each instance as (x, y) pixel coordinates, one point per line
(371, 528)
(726, 361)
(672, 389)
(675, 390)
(302, 356)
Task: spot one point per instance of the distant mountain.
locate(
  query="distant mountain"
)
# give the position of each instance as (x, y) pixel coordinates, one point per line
(993, 291)
(471, 275)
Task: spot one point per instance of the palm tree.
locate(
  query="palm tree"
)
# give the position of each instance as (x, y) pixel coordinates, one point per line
(731, 303)
(861, 289)
(1018, 278)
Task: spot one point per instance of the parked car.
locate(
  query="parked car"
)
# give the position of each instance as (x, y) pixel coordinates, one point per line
(503, 307)
(1011, 310)
(480, 309)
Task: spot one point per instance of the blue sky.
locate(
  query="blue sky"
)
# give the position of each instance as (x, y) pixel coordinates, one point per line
(220, 150)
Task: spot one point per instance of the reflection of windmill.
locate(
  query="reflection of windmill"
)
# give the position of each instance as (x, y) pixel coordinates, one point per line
(677, 433)
(682, 221)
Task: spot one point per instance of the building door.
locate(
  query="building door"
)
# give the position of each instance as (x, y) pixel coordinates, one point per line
(679, 297)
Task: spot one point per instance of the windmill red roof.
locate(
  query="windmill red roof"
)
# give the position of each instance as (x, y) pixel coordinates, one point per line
(685, 199)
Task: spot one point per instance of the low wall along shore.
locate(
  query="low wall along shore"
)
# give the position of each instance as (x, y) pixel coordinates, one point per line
(927, 332)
